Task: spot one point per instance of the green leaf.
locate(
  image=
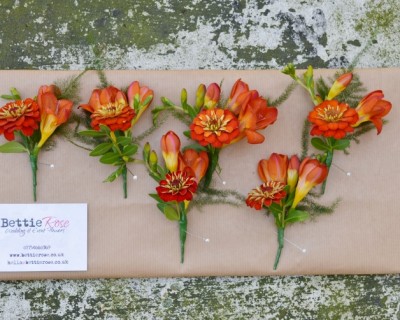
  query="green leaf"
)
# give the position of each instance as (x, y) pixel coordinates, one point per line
(15, 93)
(195, 146)
(341, 144)
(124, 141)
(7, 97)
(110, 158)
(92, 133)
(105, 129)
(156, 197)
(275, 208)
(101, 149)
(130, 150)
(320, 144)
(187, 133)
(171, 213)
(296, 216)
(114, 175)
(12, 147)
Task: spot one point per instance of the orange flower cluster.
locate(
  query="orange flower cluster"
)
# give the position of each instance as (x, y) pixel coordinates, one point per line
(334, 119)
(25, 115)
(282, 175)
(244, 114)
(111, 107)
(186, 169)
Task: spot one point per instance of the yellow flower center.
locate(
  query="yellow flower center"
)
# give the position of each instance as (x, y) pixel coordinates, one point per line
(267, 190)
(213, 123)
(330, 113)
(112, 109)
(13, 110)
(177, 182)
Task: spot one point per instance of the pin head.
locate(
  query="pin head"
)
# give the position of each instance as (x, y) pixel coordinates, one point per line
(224, 182)
(134, 177)
(348, 174)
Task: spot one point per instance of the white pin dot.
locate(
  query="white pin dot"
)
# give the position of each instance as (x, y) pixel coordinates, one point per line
(134, 177)
(303, 250)
(348, 173)
(206, 240)
(224, 182)
(50, 165)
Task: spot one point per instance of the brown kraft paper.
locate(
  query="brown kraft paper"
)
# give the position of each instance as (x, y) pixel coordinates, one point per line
(131, 237)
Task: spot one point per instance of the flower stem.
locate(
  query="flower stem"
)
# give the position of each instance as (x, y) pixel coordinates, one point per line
(124, 181)
(213, 156)
(182, 233)
(33, 161)
(281, 232)
(328, 162)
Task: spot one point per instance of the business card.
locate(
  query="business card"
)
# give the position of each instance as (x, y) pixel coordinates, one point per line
(43, 237)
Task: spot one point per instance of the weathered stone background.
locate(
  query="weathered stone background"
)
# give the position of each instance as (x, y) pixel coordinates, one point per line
(195, 34)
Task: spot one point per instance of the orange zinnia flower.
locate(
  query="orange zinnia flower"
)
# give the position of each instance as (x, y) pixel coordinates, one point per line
(178, 186)
(373, 108)
(53, 112)
(265, 194)
(109, 107)
(216, 127)
(19, 116)
(311, 173)
(332, 119)
(273, 169)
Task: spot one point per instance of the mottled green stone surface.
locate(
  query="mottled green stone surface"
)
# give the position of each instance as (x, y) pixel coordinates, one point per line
(172, 34)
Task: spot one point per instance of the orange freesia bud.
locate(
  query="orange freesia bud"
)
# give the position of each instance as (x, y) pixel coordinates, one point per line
(311, 173)
(293, 172)
(339, 85)
(274, 168)
(255, 115)
(239, 96)
(139, 98)
(53, 112)
(212, 96)
(198, 161)
(373, 108)
(109, 107)
(170, 146)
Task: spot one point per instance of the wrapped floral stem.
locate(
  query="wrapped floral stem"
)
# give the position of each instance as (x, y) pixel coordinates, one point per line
(281, 241)
(182, 234)
(33, 161)
(335, 120)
